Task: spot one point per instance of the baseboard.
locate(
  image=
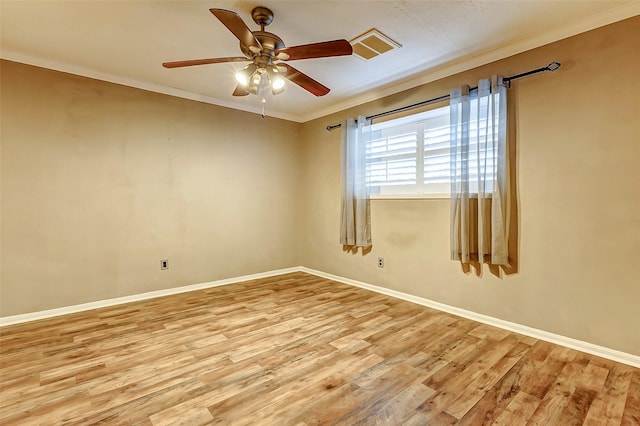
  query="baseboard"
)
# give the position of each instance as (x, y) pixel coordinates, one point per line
(33, 316)
(601, 351)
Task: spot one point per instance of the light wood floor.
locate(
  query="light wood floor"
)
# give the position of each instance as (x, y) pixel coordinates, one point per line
(298, 350)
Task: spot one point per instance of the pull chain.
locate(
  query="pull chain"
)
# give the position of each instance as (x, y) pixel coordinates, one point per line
(264, 101)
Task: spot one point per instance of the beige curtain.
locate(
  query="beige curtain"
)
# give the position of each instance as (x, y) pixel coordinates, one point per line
(355, 219)
(479, 173)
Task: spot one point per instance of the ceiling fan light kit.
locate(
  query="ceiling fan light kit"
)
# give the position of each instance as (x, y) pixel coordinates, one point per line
(251, 79)
(262, 49)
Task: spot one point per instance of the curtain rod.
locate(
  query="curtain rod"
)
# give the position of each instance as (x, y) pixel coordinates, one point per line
(551, 67)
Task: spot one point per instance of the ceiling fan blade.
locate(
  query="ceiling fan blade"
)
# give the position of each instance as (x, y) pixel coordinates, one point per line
(236, 25)
(304, 81)
(317, 50)
(192, 62)
(240, 91)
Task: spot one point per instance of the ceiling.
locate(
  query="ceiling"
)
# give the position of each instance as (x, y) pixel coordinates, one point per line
(125, 41)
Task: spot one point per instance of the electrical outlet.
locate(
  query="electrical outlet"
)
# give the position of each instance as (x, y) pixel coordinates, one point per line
(164, 264)
(381, 262)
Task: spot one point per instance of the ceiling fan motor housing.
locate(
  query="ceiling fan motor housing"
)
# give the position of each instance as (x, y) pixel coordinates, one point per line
(269, 42)
(262, 16)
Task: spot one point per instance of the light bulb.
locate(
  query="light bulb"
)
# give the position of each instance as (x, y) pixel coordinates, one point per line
(275, 80)
(243, 76)
(277, 83)
(256, 78)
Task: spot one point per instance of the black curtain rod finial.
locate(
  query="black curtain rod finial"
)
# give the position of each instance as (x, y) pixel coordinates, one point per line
(553, 66)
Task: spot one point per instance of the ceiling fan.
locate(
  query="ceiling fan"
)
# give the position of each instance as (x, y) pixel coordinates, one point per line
(264, 50)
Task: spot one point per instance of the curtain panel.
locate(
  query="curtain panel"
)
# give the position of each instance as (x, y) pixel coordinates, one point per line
(355, 219)
(479, 173)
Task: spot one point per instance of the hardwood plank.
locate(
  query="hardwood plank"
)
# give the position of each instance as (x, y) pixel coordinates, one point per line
(298, 350)
(477, 389)
(557, 398)
(519, 410)
(335, 372)
(608, 406)
(577, 407)
(193, 417)
(541, 376)
(498, 397)
(372, 391)
(631, 414)
(403, 405)
(452, 382)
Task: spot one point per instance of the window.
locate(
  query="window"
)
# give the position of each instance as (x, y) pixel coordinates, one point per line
(410, 155)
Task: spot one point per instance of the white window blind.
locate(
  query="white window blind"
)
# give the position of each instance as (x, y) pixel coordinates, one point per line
(391, 156)
(411, 155)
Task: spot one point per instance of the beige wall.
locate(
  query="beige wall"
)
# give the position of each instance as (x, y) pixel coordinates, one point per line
(100, 182)
(578, 181)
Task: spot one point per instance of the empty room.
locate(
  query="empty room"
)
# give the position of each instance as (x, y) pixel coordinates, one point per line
(299, 212)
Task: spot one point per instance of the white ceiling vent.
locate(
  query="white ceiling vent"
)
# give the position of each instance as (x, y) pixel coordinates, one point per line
(372, 43)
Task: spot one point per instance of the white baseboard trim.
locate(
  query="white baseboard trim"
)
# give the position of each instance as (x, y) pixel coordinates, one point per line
(33, 316)
(601, 351)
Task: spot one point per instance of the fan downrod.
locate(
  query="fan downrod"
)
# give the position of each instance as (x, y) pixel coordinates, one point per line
(262, 16)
